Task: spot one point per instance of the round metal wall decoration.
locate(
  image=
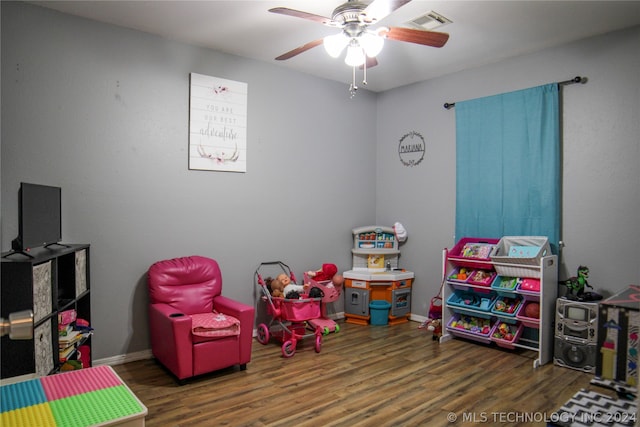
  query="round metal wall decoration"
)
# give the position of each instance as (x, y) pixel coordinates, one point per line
(411, 149)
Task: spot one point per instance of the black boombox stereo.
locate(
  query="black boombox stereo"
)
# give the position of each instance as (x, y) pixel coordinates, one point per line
(576, 334)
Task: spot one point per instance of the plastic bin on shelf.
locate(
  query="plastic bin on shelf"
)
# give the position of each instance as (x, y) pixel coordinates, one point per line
(523, 316)
(505, 286)
(529, 287)
(505, 334)
(471, 303)
(481, 277)
(506, 307)
(471, 327)
(473, 252)
(520, 256)
(459, 274)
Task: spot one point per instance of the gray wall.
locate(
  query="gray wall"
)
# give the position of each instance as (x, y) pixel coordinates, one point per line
(103, 112)
(601, 149)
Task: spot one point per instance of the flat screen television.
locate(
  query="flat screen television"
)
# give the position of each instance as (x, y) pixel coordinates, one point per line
(39, 216)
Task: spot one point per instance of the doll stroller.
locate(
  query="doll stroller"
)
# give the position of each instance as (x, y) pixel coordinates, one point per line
(330, 293)
(289, 317)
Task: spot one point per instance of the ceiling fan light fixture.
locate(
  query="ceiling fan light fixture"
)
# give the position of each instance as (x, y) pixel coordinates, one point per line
(371, 43)
(355, 55)
(335, 44)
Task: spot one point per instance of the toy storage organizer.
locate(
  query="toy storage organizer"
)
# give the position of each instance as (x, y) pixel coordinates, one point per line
(375, 276)
(489, 286)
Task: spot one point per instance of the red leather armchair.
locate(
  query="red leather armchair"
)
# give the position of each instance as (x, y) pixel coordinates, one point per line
(180, 288)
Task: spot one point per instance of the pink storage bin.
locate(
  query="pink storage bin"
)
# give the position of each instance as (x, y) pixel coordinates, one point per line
(459, 254)
(481, 277)
(502, 340)
(529, 322)
(529, 287)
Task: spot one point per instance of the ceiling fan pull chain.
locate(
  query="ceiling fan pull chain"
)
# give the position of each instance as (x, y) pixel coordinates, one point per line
(364, 73)
(353, 88)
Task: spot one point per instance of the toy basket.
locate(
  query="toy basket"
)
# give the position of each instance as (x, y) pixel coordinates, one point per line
(471, 327)
(473, 252)
(529, 322)
(505, 286)
(520, 256)
(481, 277)
(459, 274)
(471, 303)
(506, 307)
(506, 335)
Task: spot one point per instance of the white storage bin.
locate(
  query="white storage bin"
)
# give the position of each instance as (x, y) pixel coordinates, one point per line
(520, 256)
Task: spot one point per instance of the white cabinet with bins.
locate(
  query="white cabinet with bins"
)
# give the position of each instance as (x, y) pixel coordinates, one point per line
(486, 298)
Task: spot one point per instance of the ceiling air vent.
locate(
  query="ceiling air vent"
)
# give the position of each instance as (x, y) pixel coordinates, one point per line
(429, 21)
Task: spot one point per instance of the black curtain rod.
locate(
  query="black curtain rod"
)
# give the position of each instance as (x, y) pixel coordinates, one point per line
(577, 79)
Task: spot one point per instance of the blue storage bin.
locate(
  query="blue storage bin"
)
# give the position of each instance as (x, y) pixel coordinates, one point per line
(471, 303)
(505, 286)
(506, 307)
(379, 310)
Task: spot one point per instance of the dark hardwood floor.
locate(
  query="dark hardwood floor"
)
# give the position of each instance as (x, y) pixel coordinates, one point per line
(363, 376)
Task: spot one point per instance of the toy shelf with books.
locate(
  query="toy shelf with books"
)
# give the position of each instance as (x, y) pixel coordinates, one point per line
(501, 292)
(54, 283)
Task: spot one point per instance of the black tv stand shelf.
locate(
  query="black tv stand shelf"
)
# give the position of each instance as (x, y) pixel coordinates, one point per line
(48, 281)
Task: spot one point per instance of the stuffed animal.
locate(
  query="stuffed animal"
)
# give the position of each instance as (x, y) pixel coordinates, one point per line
(282, 286)
(435, 326)
(325, 273)
(275, 287)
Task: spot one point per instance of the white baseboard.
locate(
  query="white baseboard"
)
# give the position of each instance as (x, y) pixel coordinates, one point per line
(416, 318)
(124, 358)
(147, 354)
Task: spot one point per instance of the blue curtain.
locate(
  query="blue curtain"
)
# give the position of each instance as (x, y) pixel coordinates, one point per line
(508, 180)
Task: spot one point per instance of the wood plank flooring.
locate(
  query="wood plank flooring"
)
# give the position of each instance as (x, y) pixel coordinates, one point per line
(363, 376)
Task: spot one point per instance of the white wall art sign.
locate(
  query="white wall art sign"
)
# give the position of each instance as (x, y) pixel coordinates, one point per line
(411, 149)
(217, 124)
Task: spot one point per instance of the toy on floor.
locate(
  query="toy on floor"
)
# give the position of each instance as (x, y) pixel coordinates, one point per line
(434, 322)
(435, 326)
(577, 284)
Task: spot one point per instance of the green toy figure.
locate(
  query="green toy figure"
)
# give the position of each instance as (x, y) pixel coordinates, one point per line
(576, 286)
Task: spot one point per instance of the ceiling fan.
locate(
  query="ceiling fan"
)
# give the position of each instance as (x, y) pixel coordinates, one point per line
(354, 18)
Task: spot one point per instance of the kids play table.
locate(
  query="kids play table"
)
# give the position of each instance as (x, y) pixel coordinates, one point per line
(86, 397)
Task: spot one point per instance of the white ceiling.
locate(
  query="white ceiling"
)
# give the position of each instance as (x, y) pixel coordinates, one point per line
(482, 32)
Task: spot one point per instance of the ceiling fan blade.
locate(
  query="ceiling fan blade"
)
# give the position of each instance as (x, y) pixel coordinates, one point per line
(371, 62)
(428, 38)
(304, 15)
(299, 50)
(379, 9)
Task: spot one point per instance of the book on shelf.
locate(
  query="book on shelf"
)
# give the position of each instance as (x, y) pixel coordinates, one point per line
(69, 339)
(65, 353)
